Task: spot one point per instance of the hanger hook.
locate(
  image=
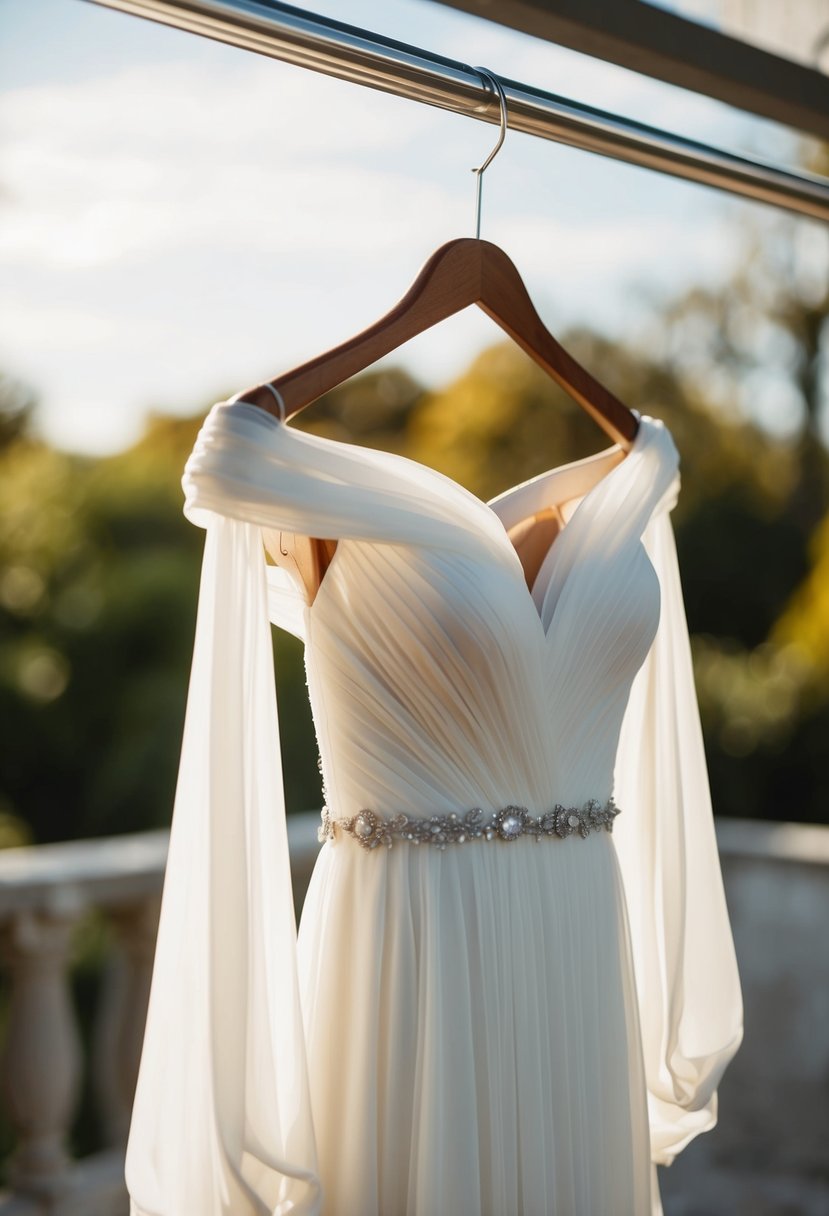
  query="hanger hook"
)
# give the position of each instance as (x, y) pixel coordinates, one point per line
(502, 97)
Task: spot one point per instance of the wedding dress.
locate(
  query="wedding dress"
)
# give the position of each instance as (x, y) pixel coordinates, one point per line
(518, 1024)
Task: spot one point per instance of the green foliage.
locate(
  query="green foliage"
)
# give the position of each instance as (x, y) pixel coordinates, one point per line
(17, 405)
(766, 718)
(804, 624)
(97, 594)
(371, 410)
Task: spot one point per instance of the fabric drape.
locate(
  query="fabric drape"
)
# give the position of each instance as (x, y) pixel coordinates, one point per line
(689, 989)
(221, 1121)
(435, 678)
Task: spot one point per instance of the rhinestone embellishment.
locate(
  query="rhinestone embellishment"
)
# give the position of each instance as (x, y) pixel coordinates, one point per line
(371, 829)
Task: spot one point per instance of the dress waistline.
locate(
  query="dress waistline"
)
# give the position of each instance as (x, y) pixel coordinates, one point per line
(371, 828)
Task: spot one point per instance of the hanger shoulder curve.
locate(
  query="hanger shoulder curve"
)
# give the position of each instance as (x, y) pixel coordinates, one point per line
(461, 272)
(448, 282)
(505, 299)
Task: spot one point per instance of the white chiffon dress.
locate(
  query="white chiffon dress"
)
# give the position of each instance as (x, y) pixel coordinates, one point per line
(517, 1026)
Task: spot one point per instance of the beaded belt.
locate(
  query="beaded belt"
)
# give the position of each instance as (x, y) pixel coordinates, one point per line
(371, 829)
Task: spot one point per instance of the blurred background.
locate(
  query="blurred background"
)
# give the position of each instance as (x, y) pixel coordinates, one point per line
(182, 219)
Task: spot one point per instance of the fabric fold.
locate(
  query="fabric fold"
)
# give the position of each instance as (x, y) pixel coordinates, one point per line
(686, 969)
(221, 1119)
(248, 465)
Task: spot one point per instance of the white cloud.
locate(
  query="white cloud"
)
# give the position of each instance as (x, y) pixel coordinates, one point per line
(172, 155)
(248, 107)
(255, 207)
(615, 250)
(28, 327)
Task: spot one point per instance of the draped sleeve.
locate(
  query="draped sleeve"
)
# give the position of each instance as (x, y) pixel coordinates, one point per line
(688, 985)
(221, 1120)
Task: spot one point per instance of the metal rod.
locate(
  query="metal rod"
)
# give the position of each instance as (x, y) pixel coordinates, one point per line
(283, 32)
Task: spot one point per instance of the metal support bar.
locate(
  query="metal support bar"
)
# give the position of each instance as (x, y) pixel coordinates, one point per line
(283, 32)
(673, 48)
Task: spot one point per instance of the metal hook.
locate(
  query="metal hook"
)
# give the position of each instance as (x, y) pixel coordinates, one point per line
(502, 97)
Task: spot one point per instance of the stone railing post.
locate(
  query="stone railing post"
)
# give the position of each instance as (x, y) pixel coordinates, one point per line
(40, 1068)
(121, 1015)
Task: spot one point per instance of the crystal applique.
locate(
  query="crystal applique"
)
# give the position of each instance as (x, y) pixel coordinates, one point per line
(371, 829)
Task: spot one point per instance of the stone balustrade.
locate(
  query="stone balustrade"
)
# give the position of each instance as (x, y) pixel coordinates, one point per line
(775, 882)
(46, 892)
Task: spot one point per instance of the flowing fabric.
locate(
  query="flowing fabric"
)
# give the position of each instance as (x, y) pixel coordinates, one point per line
(691, 1004)
(495, 1029)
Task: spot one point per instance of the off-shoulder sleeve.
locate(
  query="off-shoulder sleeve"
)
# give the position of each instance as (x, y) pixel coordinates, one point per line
(248, 465)
(686, 970)
(221, 1121)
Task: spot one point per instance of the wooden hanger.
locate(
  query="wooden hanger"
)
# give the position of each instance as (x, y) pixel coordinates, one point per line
(460, 273)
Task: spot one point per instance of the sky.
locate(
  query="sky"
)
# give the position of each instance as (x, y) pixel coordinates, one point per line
(181, 219)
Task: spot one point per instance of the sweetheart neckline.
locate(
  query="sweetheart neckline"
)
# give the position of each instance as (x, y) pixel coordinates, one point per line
(487, 506)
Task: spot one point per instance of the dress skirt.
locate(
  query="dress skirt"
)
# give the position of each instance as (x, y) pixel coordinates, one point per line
(472, 1031)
